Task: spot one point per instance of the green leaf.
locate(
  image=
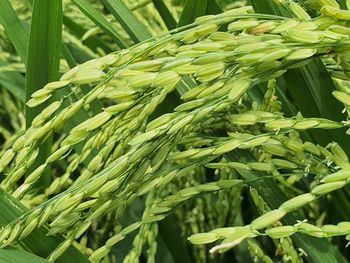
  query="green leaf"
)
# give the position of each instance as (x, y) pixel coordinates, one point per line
(342, 4)
(128, 21)
(165, 14)
(44, 49)
(14, 82)
(68, 55)
(192, 10)
(100, 21)
(311, 89)
(37, 242)
(92, 42)
(213, 7)
(14, 29)
(43, 60)
(269, 7)
(173, 241)
(11, 255)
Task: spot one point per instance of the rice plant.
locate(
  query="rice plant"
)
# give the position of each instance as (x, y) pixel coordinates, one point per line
(174, 131)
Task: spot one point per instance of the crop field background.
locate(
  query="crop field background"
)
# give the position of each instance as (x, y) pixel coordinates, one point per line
(174, 131)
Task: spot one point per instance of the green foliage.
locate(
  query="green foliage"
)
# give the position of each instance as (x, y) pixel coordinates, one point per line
(18, 256)
(43, 62)
(174, 131)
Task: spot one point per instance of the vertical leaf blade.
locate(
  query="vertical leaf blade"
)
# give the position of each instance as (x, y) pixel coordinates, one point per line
(100, 21)
(43, 60)
(14, 29)
(213, 7)
(44, 49)
(165, 14)
(192, 10)
(125, 17)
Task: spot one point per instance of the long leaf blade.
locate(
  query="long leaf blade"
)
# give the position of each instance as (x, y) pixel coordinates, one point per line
(165, 14)
(100, 21)
(15, 30)
(11, 255)
(43, 60)
(14, 82)
(44, 49)
(125, 17)
(192, 10)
